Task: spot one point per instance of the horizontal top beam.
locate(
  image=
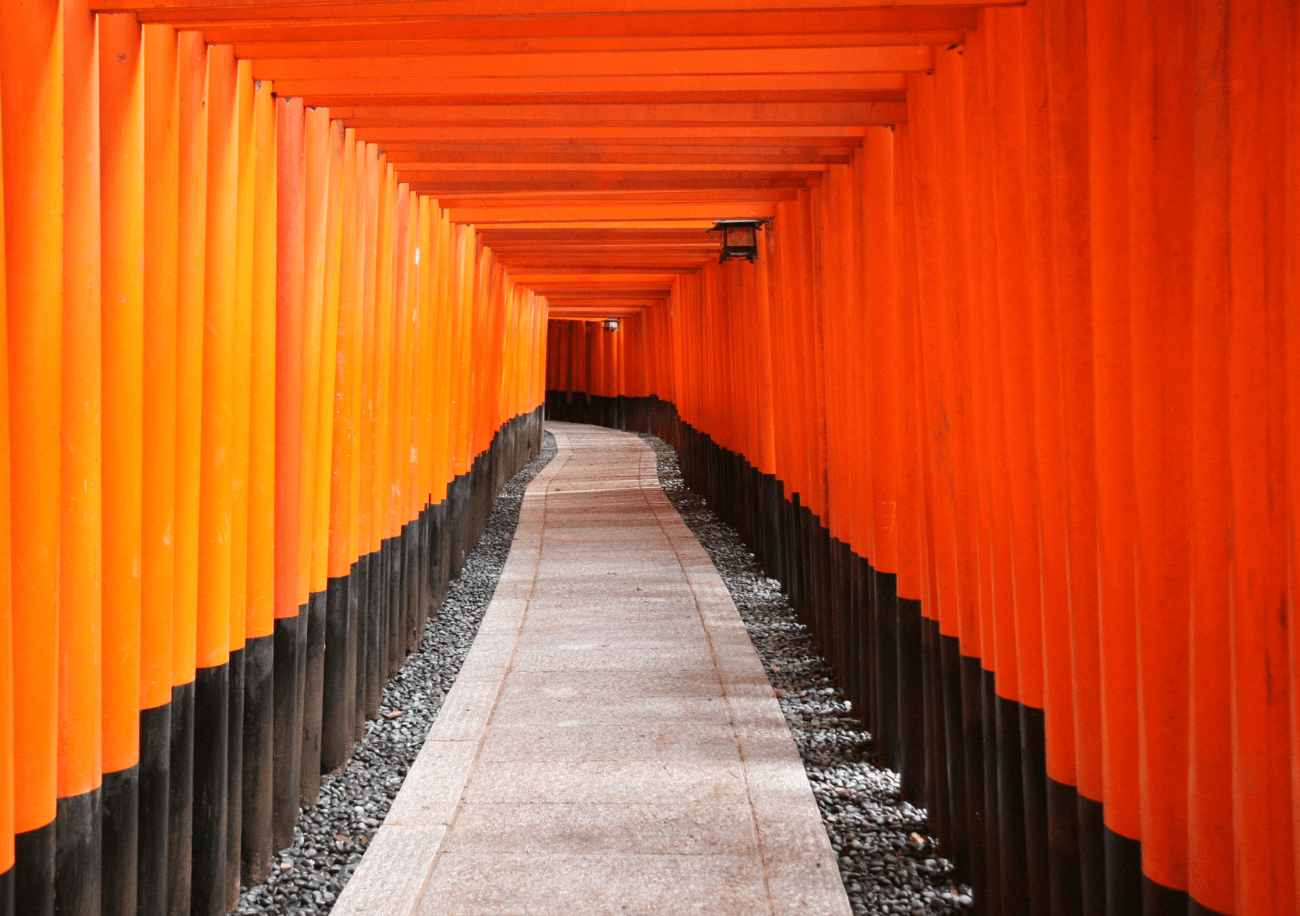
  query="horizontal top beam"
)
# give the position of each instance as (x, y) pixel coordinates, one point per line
(593, 142)
(748, 61)
(222, 11)
(626, 28)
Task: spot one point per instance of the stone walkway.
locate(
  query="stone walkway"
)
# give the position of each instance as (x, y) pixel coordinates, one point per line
(611, 744)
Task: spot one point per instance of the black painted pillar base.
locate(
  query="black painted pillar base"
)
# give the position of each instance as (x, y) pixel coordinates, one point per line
(309, 784)
(992, 891)
(154, 791)
(290, 641)
(120, 796)
(351, 676)
(974, 871)
(375, 642)
(394, 628)
(34, 871)
(7, 892)
(336, 724)
(886, 601)
(234, 775)
(953, 725)
(411, 591)
(1092, 856)
(211, 759)
(359, 593)
(180, 804)
(911, 698)
(1194, 908)
(1033, 781)
(1123, 875)
(259, 713)
(1011, 809)
(78, 854)
(1063, 849)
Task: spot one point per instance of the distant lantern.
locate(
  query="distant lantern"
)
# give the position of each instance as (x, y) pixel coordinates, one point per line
(739, 237)
(611, 324)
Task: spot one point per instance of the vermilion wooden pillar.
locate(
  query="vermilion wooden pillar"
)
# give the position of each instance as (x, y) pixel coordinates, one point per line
(1066, 84)
(122, 150)
(216, 461)
(32, 120)
(192, 177)
(1209, 813)
(1160, 153)
(290, 543)
(338, 725)
(240, 437)
(1108, 117)
(6, 596)
(260, 603)
(1260, 248)
(80, 686)
(158, 683)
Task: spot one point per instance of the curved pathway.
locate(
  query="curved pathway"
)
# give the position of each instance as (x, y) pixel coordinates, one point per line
(611, 744)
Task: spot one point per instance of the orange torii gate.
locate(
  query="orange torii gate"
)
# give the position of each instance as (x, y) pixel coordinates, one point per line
(1009, 401)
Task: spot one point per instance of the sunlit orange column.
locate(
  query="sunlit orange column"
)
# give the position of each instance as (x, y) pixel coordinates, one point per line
(220, 304)
(6, 578)
(259, 606)
(368, 228)
(289, 536)
(399, 425)
(324, 163)
(80, 584)
(159, 685)
(122, 215)
(339, 690)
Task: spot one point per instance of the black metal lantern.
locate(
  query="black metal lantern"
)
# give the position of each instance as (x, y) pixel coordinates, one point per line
(739, 237)
(611, 324)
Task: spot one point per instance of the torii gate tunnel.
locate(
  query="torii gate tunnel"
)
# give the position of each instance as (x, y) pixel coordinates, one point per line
(1009, 401)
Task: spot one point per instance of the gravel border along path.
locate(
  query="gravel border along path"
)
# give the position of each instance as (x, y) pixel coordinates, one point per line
(887, 858)
(330, 837)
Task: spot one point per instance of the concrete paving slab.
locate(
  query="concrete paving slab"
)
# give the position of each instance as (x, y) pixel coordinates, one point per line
(545, 828)
(514, 709)
(602, 686)
(651, 742)
(607, 781)
(611, 744)
(492, 884)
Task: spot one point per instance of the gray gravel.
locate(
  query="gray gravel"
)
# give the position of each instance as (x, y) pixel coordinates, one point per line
(887, 858)
(331, 836)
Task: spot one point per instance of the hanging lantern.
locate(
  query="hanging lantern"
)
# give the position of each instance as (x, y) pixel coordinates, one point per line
(611, 324)
(739, 237)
